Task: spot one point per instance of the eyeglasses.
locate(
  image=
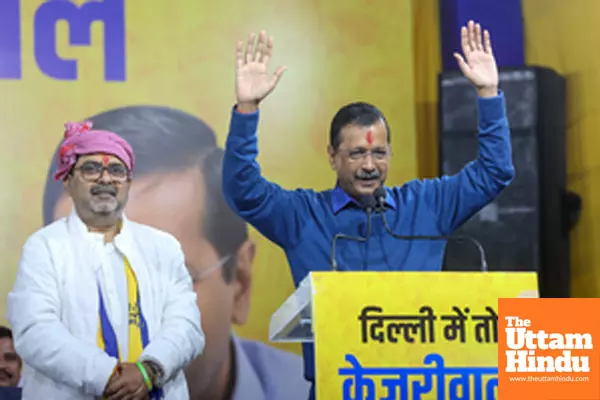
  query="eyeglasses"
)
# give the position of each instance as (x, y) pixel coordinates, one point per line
(92, 171)
(378, 154)
(10, 356)
(201, 275)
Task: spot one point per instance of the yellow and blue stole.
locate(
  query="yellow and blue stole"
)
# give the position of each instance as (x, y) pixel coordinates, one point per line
(138, 330)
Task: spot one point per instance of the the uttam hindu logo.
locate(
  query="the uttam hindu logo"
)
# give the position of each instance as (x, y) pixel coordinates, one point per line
(525, 344)
(546, 349)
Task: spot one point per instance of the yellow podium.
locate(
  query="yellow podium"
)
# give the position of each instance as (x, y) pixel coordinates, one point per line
(401, 335)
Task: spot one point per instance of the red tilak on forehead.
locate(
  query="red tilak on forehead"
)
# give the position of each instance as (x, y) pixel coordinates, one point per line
(369, 137)
(105, 159)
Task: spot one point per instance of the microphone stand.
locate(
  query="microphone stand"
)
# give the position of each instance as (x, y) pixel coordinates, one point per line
(368, 204)
(380, 199)
(484, 266)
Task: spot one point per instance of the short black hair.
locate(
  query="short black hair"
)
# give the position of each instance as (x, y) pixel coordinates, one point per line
(5, 332)
(169, 140)
(358, 113)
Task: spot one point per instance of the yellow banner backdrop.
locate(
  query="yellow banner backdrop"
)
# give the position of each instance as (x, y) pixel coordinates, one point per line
(410, 335)
(69, 60)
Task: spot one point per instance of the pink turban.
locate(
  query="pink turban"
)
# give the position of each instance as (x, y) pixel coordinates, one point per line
(80, 139)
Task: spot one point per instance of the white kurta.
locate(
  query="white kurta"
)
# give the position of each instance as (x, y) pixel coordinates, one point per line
(53, 307)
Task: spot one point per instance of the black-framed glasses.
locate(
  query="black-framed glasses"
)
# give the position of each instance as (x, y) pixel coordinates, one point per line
(10, 356)
(92, 171)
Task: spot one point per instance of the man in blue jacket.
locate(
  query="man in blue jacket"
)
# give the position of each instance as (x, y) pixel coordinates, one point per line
(303, 222)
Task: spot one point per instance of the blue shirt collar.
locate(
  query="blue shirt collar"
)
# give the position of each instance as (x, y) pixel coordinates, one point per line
(340, 199)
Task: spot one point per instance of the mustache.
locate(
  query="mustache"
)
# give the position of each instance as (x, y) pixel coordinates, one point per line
(100, 189)
(367, 175)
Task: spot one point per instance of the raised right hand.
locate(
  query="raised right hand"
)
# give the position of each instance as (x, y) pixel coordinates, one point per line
(252, 83)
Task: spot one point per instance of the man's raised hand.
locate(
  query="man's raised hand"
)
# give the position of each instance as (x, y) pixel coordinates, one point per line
(253, 82)
(477, 63)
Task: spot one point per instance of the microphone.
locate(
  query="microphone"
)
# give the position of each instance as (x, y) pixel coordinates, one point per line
(379, 194)
(368, 204)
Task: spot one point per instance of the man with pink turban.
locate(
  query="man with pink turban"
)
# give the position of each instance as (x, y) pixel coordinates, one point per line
(102, 306)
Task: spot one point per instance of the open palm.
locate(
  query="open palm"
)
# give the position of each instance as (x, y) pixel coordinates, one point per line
(253, 82)
(478, 64)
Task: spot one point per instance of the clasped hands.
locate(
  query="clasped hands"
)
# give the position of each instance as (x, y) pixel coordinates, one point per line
(126, 383)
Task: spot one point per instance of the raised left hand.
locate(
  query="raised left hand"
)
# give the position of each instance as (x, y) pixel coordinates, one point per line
(252, 82)
(478, 64)
(128, 384)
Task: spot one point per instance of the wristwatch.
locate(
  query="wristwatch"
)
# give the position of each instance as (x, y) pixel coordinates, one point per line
(157, 375)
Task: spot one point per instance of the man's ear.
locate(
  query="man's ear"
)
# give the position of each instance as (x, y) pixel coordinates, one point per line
(66, 182)
(242, 281)
(331, 154)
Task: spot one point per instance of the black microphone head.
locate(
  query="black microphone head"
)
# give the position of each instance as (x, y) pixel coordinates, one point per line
(379, 193)
(368, 202)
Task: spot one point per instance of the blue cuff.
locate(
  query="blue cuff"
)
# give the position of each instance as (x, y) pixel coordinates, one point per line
(492, 108)
(236, 112)
(243, 126)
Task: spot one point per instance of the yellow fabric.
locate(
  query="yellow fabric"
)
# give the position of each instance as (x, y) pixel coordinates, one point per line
(99, 338)
(133, 316)
(427, 64)
(135, 333)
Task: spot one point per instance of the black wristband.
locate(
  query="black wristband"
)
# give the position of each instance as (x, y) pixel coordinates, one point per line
(156, 373)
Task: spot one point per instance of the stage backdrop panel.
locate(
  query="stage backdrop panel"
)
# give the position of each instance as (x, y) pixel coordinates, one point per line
(181, 54)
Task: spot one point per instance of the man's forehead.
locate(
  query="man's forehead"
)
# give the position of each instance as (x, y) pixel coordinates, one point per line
(375, 134)
(100, 157)
(158, 188)
(6, 345)
(151, 202)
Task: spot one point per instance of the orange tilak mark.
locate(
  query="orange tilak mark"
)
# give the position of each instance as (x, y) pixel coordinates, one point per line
(370, 137)
(105, 160)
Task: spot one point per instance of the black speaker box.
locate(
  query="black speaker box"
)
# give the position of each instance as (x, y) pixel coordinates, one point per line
(527, 227)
